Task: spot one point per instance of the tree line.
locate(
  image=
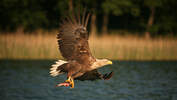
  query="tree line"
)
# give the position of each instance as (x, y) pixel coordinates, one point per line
(146, 17)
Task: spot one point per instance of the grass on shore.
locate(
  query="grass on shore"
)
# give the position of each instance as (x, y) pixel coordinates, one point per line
(44, 46)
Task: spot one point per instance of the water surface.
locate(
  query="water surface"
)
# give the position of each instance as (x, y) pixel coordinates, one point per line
(132, 80)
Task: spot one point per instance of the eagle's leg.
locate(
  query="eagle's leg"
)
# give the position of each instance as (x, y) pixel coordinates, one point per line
(70, 81)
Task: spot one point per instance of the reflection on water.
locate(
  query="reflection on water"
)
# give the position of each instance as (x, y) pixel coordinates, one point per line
(30, 80)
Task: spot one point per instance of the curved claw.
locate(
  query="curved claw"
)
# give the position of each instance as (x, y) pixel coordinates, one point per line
(70, 81)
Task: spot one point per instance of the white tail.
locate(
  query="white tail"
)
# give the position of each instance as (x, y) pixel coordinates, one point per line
(53, 70)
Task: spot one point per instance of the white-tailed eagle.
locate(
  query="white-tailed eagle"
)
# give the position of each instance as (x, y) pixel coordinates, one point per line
(73, 44)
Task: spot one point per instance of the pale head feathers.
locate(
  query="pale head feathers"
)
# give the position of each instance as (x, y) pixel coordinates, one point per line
(100, 63)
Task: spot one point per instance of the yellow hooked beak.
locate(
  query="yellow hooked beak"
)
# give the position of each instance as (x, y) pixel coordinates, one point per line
(110, 62)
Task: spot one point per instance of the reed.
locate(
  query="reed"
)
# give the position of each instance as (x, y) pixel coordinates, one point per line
(43, 45)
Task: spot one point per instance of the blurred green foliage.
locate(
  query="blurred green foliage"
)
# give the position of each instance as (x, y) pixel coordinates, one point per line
(119, 7)
(131, 15)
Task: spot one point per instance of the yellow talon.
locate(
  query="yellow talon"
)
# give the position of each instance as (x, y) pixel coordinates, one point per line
(70, 81)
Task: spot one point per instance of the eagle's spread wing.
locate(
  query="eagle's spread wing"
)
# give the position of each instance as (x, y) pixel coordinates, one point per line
(73, 40)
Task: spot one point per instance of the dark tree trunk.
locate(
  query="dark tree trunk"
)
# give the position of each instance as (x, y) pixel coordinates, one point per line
(105, 24)
(70, 4)
(93, 25)
(150, 22)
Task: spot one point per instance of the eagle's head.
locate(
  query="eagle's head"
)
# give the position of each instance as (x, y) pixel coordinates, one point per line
(100, 63)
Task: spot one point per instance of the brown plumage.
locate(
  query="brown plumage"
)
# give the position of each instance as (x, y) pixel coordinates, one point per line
(73, 45)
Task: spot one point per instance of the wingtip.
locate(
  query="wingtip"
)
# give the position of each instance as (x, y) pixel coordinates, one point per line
(108, 76)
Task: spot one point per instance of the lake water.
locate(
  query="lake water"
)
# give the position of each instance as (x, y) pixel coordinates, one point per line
(132, 80)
